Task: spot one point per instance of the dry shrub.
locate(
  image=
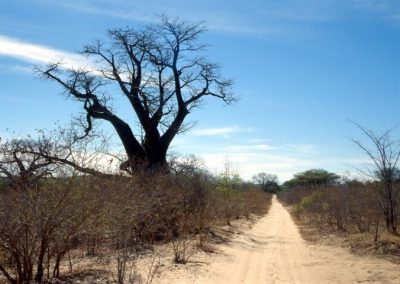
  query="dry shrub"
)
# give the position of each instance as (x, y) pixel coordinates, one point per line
(351, 207)
(114, 218)
(255, 201)
(38, 226)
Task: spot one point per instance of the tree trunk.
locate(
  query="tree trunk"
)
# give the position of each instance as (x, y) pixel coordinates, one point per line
(156, 155)
(19, 270)
(390, 210)
(56, 269)
(376, 231)
(132, 147)
(40, 268)
(390, 224)
(390, 221)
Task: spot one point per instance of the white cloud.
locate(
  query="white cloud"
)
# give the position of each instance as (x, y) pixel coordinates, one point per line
(113, 9)
(254, 156)
(21, 68)
(221, 131)
(284, 165)
(258, 140)
(39, 53)
(250, 159)
(261, 18)
(249, 164)
(213, 13)
(263, 147)
(301, 148)
(250, 148)
(15, 68)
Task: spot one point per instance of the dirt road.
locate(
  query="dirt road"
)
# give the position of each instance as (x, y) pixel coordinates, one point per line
(274, 252)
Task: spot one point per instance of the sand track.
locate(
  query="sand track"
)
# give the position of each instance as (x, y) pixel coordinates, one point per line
(274, 252)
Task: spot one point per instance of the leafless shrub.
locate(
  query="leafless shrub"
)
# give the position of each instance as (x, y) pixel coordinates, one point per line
(37, 221)
(384, 153)
(349, 207)
(112, 217)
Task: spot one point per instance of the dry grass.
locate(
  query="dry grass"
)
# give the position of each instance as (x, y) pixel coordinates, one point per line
(113, 225)
(345, 215)
(151, 265)
(387, 247)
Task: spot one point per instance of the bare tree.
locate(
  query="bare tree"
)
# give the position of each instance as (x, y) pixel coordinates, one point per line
(159, 70)
(384, 153)
(27, 160)
(267, 182)
(21, 168)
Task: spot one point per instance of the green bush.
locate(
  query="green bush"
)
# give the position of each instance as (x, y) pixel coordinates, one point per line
(306, 203)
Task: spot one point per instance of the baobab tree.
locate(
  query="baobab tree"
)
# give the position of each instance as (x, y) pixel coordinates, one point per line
(161, 72)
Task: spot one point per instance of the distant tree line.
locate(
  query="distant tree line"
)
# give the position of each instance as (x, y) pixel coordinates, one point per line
(309, 178)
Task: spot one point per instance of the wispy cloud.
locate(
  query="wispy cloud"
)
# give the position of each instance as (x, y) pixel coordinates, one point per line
(389, 9)
(249, 164)
(257, 140)
(214, 13)
(112, 9)
(301, 148)
(249, 148)
(15, 68)
(281, 163)
(21, 68)
(35, 53)
(260, 18)
(221, 131)
(250, 156)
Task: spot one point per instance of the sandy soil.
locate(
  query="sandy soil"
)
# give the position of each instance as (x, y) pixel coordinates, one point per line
(274, 252)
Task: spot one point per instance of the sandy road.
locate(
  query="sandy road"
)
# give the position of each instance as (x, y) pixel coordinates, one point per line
(274, 252)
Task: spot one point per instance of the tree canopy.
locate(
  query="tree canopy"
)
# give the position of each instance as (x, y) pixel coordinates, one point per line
(312, 177)
(267, 182)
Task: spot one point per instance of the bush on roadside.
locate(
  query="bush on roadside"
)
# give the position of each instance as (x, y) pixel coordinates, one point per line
(116, 217)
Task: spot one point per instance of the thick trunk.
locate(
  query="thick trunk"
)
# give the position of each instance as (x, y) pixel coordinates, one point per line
(156, 151)
(157, 160)
(152, 154)
(134, 151)
(132, 147)
(170, 134)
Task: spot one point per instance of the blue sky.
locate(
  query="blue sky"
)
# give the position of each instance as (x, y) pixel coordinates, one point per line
(302, 69)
